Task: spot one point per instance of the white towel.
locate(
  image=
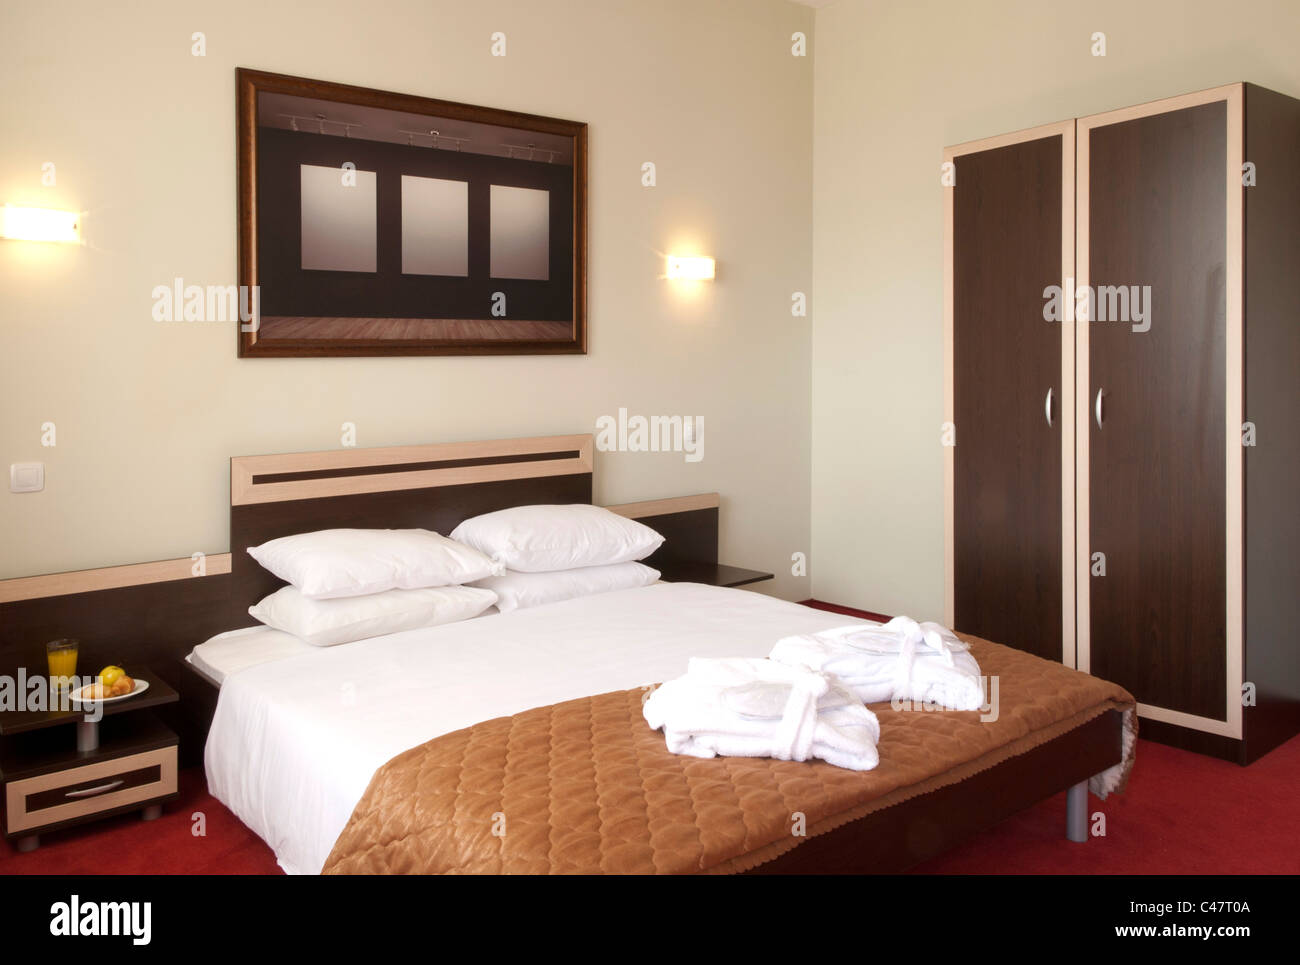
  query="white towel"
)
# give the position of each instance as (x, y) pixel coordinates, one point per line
(740, 707)
(902, 660)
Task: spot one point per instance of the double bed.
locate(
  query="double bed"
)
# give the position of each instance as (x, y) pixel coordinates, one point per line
(296, 738)
(327, 753)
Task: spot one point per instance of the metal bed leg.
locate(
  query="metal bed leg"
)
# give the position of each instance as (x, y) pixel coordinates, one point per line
(1076, 812)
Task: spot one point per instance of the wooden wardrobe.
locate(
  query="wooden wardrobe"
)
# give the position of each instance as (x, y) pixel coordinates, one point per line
(1124, 463)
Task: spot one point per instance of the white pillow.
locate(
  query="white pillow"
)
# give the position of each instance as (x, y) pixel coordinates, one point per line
(332, 563)
(518, 590)
(539, 539)
(324, 623)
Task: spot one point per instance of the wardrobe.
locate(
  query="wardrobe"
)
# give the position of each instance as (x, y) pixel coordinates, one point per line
(1122, 406)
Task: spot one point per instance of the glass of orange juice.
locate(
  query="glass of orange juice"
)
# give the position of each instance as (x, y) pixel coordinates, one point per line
(62, 657)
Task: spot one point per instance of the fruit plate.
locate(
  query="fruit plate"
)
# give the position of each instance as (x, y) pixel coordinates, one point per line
(140, 687)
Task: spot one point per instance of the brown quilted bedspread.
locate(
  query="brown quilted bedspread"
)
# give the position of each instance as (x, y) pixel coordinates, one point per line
(586, 786)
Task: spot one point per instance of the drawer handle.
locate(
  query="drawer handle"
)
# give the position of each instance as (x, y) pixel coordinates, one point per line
(92, 791)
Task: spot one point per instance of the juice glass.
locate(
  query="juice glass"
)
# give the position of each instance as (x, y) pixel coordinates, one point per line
(62, 658)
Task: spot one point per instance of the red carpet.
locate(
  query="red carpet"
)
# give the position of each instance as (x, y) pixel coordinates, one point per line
(128, 845)
(1182, 814)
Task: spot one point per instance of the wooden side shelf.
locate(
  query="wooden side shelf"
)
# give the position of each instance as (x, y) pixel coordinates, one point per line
(57, 769)
(711, 574)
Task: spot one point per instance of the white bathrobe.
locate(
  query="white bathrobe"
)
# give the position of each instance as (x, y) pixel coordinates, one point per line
(741, 707)
(901, 659)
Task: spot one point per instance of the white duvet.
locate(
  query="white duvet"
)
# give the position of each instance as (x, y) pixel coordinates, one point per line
(295, 741)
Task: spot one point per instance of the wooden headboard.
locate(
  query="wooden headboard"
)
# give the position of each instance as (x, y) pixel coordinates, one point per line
(155, 613)
(406, 487)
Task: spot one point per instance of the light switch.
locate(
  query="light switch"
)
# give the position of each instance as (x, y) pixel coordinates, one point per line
(26, 477)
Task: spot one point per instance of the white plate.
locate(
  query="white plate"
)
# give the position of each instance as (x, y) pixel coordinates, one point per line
(140, 687)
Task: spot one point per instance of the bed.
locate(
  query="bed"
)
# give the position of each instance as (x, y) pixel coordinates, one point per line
(307, 746)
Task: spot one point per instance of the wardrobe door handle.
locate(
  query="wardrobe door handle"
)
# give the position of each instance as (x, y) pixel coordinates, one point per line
(1097, 406)
(1048, 406)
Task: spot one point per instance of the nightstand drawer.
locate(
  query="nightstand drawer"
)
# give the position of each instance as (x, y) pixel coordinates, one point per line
(76, 792)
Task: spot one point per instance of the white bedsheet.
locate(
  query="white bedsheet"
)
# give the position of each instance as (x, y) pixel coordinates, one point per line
(295, 741)
(237, 650)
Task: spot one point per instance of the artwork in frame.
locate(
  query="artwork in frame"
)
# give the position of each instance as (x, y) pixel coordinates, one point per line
(377, 223)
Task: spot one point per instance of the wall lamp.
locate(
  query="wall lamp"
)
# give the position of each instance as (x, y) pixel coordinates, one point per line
(39, 224)
(690, 268)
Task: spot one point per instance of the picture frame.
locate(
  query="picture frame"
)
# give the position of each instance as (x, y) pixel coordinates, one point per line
(374, 223)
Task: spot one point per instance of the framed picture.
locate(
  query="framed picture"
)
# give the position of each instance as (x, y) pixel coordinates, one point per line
(374, 223)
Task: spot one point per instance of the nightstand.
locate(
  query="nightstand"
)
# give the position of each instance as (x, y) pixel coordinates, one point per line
(57, 769)
(712, 574)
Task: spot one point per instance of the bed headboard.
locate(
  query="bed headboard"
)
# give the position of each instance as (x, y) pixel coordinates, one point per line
(403, 487)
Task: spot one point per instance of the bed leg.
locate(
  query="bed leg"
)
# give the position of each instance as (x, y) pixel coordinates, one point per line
(1076, 812)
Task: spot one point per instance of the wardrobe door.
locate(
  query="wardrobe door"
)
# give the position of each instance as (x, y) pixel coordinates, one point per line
(1272, 399)
(1160, 250)
(1009, 400)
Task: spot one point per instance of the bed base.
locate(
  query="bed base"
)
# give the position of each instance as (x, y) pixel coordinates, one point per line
(199, 702)
(897, 838)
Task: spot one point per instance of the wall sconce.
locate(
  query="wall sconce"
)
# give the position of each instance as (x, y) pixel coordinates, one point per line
(39, 224)
(690, 268)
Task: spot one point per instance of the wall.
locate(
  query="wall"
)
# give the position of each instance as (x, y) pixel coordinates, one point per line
(895, 82)
(142, 136)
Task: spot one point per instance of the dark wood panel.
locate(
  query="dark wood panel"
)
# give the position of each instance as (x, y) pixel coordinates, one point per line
(1156, 476)
(689, 537)
(711, 574)
(152, 625)
(1272, 361)
(908, 833)
(1007, 481)
(1196, 741)
(197, 707)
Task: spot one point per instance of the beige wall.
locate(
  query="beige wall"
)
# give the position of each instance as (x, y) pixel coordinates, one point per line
(142, 135)
(895, 82)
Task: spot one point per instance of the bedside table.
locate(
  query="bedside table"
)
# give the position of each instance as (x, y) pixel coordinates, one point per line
(712, 574)
(57, 769)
